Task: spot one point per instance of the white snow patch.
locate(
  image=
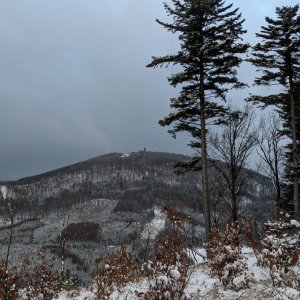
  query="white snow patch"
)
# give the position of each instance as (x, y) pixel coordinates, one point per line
(81, 295)
(175, 274)
(200, 284)
(198, 255)
(124, 155)
(295, 223)
(129, 291)
(162, 280)
(3, 189)
(157, 224)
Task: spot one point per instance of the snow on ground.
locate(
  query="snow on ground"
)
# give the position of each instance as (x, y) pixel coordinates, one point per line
(295, 223)
(3, 190)
(84, 294)
(201, 285)
(4, 222)
(157, 224)
(197, 255)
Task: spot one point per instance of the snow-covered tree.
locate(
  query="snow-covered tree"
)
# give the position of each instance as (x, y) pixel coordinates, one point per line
(210, 35)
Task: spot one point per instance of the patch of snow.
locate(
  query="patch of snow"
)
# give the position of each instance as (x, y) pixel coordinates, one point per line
(197, 255)
(175, 274)
(295, 223)
(162, 280)
(200, 284)
(81, 295)
(157, 224)
(4, 222)
(247, 250)
(129, 291)
(3, 190)
(125, 155)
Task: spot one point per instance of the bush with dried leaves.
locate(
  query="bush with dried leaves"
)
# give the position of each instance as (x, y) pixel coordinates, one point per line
(168, 273)
(115, 272)
(226, 259)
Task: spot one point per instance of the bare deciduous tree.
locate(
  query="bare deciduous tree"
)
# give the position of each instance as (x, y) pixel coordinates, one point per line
(271, 151)
(229, 151)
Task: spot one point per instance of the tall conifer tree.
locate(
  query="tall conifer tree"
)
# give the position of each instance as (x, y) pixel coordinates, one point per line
(209, 32)
(278, 59)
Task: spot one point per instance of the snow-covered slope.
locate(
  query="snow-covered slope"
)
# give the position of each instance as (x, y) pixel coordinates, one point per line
(202, 285)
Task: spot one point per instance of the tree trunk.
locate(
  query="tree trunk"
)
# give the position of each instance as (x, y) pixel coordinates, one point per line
(204, 161)
(294, 134)
(234, 216)
(277, 178)
(295, 158)
(278, 193)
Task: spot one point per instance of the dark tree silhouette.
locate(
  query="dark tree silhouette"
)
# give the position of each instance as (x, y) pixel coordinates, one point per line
(210, 34)
(277, 56)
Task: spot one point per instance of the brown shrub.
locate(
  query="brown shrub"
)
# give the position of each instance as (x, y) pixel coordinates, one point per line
(114, 272)
(226, 259)
(8, 281)
(168, 273)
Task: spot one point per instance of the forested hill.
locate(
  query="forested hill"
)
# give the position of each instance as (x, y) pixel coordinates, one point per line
(138, 180)
(112, 161)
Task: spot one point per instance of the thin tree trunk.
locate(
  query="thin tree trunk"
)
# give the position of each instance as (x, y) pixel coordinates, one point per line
(295, 158)
(9, 245)
(278, 192)
(234, 217)
(233, 177)
(278, 200)
(277, 180)
(204, 161)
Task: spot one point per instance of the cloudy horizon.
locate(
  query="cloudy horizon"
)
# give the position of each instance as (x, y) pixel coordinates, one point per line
(74, 83)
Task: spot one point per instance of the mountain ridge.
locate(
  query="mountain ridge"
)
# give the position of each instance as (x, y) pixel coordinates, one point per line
(139, 180)
(27, 179)
(118, 155)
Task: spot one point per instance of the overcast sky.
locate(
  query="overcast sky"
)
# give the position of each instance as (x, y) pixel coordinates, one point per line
(73, 82)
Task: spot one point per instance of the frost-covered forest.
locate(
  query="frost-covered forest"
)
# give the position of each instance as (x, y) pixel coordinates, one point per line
(221, 224)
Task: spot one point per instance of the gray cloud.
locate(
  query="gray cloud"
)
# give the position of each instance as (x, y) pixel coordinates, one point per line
(73, 82)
